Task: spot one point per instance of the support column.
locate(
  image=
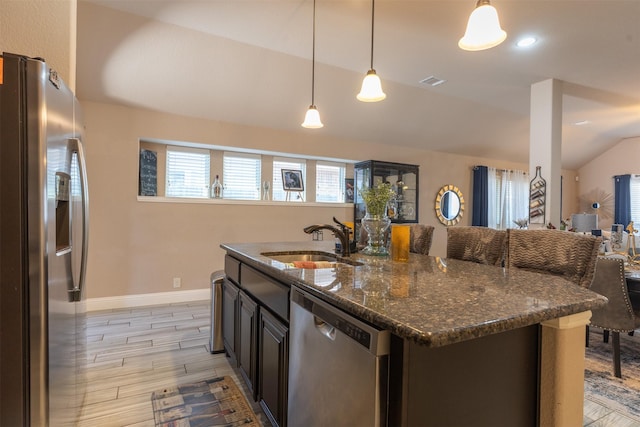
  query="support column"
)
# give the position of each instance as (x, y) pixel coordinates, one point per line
(562, 370)
(545, 144)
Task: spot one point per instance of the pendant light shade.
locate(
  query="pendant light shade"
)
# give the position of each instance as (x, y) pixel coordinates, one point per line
(483, 29)
(312, 118)
(371, 90)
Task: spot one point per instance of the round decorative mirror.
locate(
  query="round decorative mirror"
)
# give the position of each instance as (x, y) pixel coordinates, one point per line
(449, 205)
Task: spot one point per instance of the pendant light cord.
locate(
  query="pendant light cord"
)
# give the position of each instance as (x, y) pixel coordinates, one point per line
(313, 57)
(373, 6)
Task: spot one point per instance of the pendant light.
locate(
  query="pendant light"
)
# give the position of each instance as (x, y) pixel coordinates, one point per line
(483, 29)
(371, 90)
(312, 118)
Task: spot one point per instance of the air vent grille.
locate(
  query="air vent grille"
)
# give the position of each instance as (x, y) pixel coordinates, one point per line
(432, 81)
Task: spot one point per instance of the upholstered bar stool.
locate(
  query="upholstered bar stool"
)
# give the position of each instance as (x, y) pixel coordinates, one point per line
(618, 315)
(561, 253)
(420, 238)
(573, 257)
(476, 244)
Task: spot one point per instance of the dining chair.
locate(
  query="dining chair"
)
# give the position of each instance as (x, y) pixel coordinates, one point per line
(420, 238)
(618, 315)
(561, 253)
(481, 245)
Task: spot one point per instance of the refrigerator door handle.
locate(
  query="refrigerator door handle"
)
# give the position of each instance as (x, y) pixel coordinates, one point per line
(76, 146)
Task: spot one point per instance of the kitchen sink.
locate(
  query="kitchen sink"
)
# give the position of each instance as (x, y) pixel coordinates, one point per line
(308, 256)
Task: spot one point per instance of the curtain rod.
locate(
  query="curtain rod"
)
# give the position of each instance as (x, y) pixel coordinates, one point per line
(502, 170)
(633, 175)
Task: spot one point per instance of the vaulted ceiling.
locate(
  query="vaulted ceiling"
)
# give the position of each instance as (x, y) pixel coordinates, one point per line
(249, 62)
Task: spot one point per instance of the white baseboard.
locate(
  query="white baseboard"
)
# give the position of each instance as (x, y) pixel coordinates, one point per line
(141, 300)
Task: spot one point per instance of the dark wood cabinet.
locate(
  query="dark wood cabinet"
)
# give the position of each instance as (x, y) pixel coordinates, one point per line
(247, 340)
(230, 294)
(273, 367)
(255, 330)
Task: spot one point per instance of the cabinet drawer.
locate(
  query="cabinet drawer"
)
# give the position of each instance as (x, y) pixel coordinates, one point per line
(232, 269)
(271, 293)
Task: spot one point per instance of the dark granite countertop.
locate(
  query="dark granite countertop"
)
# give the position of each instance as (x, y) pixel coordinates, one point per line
(429, 300)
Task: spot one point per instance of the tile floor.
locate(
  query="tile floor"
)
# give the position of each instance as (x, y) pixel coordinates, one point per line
(133, 352)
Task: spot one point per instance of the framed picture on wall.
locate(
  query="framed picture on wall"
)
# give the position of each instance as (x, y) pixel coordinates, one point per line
(292, 180)
(349, 190)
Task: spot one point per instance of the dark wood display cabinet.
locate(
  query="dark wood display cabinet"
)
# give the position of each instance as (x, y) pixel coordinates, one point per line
(404, 181)
(255, 325)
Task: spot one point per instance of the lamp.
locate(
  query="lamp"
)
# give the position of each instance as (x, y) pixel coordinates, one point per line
(483, 29)
(371, 90)
(312, 118)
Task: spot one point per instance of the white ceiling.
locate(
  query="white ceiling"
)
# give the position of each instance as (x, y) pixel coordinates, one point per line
(249, 62)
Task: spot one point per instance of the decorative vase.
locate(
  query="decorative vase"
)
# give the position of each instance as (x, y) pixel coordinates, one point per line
(376, 221)
(216, 189)
(376, 226)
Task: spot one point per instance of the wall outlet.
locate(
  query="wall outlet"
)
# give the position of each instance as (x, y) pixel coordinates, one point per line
(177, 282)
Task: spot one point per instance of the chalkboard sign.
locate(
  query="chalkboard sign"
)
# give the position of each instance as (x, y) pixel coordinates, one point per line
(148, 181)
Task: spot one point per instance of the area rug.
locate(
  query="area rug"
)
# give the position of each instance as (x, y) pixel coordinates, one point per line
(209, 403)
(620, 394)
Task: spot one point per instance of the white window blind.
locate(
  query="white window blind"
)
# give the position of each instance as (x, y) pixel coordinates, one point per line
(330, 182)
(241, 176)
(283, 163)
(634, 189)
(187, 172)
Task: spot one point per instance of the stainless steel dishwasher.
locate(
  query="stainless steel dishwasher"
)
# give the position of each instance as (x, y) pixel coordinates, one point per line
(338, 367)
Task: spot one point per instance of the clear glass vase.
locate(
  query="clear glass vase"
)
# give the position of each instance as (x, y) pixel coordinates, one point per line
(376, 227)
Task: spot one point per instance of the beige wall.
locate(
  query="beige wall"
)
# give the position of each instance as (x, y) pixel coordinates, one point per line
(138, 247)
(45, 29)
(598, 173)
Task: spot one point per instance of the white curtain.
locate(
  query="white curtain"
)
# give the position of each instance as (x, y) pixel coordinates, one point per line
(492, 197)
(520, 200)
(510, 198)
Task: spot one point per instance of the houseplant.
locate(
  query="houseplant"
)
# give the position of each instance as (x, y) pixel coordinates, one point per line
(376, 222)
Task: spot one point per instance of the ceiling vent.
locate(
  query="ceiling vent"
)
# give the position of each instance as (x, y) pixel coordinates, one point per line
(432, 81)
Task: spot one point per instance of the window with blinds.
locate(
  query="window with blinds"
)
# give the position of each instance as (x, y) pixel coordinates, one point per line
(187, 172)
(241, 176)
(634, 189)
(330, 182)
(293, 164)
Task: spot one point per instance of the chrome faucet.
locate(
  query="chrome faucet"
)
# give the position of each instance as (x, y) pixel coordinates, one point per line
(340, 234)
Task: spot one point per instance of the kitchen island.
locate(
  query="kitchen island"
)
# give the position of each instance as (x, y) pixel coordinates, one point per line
(470, 344)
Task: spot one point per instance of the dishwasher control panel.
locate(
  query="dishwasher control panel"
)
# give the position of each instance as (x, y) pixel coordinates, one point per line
(352, 331)
(373, 339)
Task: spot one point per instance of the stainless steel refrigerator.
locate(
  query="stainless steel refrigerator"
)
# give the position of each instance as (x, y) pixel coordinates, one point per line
(43, 239)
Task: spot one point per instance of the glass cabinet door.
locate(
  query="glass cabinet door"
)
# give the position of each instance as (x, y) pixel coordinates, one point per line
(404, 181)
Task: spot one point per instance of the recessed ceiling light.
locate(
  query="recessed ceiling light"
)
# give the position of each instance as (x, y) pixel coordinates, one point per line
(432, 81)
(582, 123)
(526, 41)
